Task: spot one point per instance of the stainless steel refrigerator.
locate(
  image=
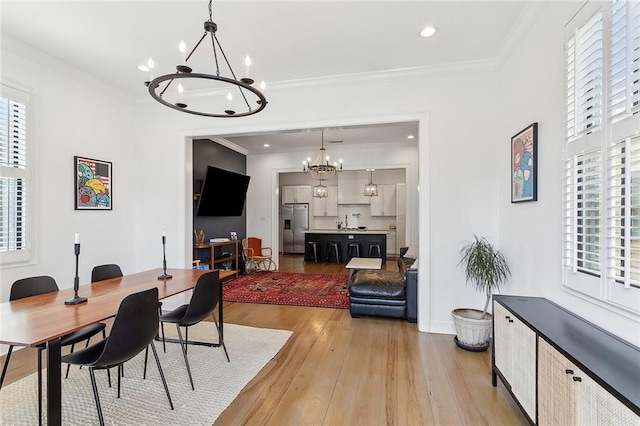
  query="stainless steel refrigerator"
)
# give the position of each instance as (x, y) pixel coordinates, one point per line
(295, 223)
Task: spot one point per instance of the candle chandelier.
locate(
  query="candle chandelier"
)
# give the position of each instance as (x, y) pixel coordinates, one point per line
(321, 169)
(163, 89)
(371, 189)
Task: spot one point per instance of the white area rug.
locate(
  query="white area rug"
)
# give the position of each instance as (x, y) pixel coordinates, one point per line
(144, 402)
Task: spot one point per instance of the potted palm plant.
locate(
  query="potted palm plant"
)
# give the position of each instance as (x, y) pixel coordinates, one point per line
(485, 268)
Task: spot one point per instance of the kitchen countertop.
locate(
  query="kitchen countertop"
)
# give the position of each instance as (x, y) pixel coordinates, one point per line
(349, 231)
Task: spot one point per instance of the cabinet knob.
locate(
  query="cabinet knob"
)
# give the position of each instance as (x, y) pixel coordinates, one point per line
(577, 379)
(568, 371)
(507, 317)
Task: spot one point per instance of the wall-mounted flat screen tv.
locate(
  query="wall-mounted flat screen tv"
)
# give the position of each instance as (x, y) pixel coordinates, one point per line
(223, 193)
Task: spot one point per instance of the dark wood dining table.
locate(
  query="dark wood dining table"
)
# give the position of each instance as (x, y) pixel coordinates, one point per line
(44, 318)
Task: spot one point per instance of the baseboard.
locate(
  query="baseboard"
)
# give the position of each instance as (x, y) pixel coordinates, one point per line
(442, 327)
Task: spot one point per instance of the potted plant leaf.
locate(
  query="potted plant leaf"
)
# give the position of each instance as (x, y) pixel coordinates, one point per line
(486, 269)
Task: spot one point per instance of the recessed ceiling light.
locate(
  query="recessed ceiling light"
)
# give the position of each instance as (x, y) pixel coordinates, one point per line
(143, 68)
(410, 137)
(427, 32)
(266, 145)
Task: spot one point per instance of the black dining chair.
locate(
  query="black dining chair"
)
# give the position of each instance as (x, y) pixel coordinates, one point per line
(203, 303)
(105, 272)
(134, 329)
(108, 271)
(33, 286)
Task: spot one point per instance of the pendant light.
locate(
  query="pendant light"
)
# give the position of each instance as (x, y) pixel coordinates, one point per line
(371, 189)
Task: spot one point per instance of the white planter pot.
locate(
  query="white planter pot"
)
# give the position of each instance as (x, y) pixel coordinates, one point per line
(472, 330)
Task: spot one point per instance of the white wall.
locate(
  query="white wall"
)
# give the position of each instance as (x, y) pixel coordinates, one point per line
(73, 115)
(457, 170)
(532, 90)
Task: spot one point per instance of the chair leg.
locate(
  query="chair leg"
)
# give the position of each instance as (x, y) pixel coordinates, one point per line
(146, 356)
(69, 365)
(109, 376)
(164, 345)
(95, 395)
(220, 339)
(6, 364)
(184, 354)
(186, 340)
(164, 382)
(119, 375)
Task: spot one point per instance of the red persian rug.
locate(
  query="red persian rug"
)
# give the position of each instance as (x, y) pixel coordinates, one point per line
(284, 288)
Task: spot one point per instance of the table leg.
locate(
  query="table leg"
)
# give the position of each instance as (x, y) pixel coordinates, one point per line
(54, 383)
(220, 309)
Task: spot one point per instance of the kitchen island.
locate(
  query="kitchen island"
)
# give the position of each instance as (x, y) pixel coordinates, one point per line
(345, 236)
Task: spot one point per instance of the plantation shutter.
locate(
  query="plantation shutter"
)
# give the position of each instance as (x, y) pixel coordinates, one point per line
(624, 212)
(13, 172)
(624, 59)
(582, 213)
(584, 78)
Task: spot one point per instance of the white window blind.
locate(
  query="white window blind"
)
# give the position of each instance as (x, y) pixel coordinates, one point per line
(624, 212)
(584, 53)
(601, 206)
(583, 218)
(14, 175)
(624, 59)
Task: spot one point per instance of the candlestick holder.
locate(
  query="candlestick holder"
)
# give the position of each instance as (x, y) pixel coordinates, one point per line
(76, 300)
(164, 275)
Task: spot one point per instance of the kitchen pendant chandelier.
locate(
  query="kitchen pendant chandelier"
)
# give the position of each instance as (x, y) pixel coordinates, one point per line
(320, 191)
(173, 95)
(371, 189)
(321, 169)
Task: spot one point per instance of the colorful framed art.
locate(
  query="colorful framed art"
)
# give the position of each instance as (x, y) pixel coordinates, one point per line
(524, 165)
(93, 184)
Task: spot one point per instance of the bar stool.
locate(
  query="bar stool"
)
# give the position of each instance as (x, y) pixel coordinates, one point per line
(353, 250)
(312, 251)
(375, 247)
(333, 248)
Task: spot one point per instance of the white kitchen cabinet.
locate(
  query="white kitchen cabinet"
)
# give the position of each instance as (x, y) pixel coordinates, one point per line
(327, 206)
(391, 243)
(515, 356)
(385, 203)
(351, 187)
(401, 200)
(296, 194)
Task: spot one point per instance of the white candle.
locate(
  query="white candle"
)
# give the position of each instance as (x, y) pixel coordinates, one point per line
(77, 240)
(247, 64)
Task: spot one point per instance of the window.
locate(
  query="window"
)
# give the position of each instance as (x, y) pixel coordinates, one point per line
(14, 176)
(601, 207)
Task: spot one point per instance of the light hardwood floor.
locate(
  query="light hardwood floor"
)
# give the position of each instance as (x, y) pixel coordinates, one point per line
(336, 370)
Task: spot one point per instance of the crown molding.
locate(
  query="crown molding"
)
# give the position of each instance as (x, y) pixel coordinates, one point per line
(28, 52)
(525, 21)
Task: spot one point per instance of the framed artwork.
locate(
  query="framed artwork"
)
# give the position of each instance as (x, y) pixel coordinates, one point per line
(524, 165)
(93, 184)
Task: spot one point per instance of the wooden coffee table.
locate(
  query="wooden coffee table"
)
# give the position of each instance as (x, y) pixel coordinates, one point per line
(358, 263)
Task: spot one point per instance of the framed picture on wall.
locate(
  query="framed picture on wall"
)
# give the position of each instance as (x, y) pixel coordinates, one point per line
(93, 184)
(524, 165)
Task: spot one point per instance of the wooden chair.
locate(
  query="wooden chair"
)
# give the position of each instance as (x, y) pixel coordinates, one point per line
(257, 258)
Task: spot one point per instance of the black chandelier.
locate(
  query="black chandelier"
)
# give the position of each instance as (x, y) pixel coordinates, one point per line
(253, 99)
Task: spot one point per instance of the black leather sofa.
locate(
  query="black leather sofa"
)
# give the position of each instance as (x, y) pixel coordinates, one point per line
(389, 294)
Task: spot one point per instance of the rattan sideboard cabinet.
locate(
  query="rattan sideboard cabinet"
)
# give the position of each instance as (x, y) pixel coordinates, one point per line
(582, 374)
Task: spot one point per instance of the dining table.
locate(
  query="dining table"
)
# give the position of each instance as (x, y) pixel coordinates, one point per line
(43, 319)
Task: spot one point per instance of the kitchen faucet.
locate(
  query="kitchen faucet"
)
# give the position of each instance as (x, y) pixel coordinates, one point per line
(346, 221)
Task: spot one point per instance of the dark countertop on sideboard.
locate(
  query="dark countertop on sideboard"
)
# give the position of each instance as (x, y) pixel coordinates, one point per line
(612, 362)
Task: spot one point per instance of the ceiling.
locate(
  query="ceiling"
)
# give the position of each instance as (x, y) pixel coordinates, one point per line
(287, 40)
